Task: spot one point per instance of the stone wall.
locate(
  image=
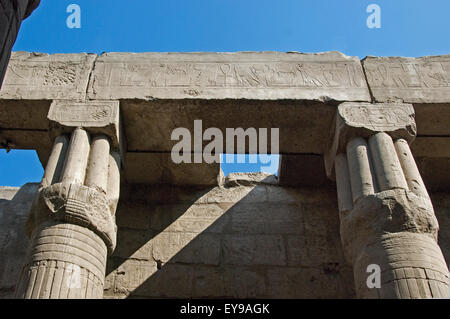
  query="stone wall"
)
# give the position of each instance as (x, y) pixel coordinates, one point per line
(249, 238)
(15, 206)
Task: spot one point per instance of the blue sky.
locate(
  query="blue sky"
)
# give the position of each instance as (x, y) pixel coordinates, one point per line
(408, 28)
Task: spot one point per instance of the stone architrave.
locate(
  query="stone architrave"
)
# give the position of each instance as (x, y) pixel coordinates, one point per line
(241, 75)
(410, 80)
(71, 223)
(387, 218)
(41, 76)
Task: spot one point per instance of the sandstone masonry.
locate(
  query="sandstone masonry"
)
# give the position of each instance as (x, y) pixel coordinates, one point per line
(363, 177)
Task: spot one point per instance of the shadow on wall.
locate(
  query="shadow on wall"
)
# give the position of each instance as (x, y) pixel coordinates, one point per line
(244, 240)
(441, 203)
(15, 204)
(238, 241)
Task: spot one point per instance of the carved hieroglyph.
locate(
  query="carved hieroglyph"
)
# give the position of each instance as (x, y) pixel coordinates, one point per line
(263, 75)
(386, 215)
(98, 117)
(366, 119)
(39, 76)
(411, 80)
(71, 223)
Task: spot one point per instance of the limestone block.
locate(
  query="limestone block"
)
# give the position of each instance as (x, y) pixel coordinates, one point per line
(134, 244)
(195, 218)
(131, 274)
(361, 120)
(170, 280)
(7, 192)
(210, 282)
(290, 283)
(431, 147)
(38, 76)
(249, 179)
(28, 140)
(435, 172)
(246, 282)
(15, 204)
(303, 125)
(96, 117)
(158, 168)
(24, 114)
(186, 248)
(409, 80)
(254, 250)
(232, 195)
(243, 75)
(432, 119)
(266, 218)
(136, 216)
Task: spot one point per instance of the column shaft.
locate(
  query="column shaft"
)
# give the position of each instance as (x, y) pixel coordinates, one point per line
(359, 168)
(343, 184)
(55, 162)
(64, 261)
(71, 224)
(412, 174)
(75, 166)
(387, 165)
(97, 170)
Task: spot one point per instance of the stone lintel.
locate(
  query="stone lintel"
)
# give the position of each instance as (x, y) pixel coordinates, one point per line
(431, 147)
(241, 75)
(158, 168)
(364, 120)
(302, 170)
(96, 117)
(409, 80)
(40, 76)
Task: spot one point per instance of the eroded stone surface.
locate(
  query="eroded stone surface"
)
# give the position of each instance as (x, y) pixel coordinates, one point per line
(38, 76)
(158, 168)
(246, 240)
(365, 119)
(246, 75)
(306, 218)
(97, 117)
(82, 205)
(249, 179)
(15, 204)
(242, 236)
(409, 80)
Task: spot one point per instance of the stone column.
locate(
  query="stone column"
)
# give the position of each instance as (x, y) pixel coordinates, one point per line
(71, 223)
(387, 218)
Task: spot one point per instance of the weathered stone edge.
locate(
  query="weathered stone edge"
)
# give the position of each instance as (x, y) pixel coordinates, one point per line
(92, 59)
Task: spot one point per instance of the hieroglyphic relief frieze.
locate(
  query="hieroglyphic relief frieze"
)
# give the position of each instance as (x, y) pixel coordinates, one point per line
(409, 80)
(226, 75)
(229, 75)
(42, 76)
(378, 117)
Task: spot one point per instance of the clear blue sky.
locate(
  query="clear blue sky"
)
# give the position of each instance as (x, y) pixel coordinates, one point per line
(408, 28)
